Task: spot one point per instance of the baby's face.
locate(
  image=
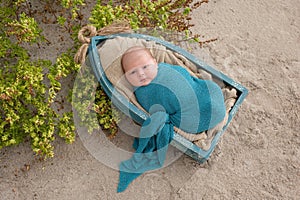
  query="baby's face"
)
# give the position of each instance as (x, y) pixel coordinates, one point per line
(140, 69)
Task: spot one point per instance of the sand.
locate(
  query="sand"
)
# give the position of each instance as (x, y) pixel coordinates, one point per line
(258, 156)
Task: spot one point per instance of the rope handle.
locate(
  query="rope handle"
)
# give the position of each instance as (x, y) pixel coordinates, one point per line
(87, 32)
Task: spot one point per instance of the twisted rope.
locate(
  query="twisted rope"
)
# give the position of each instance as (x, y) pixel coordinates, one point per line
(87, 32)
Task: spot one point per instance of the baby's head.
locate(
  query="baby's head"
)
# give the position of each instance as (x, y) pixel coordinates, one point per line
(139, 66)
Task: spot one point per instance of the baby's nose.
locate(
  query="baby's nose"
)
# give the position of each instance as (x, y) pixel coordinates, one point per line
(141, 73)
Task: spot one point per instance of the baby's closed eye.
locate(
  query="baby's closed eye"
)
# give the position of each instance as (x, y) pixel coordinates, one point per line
(132, 72)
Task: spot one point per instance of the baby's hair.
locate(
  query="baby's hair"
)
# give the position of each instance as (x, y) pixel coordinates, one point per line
(132, 50)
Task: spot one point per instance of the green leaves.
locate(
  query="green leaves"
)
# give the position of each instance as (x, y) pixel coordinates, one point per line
(25, 29)
(62, 68)
(73, 5)
(93, 107)
(25, 111)
(28, 88)
(107, 115)
(165, 14)
(66, 128)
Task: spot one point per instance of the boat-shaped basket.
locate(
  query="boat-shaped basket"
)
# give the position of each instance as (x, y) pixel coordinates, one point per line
(138, 115)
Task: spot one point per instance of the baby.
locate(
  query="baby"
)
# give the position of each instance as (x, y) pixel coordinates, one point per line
(168, 85)
(173, 98)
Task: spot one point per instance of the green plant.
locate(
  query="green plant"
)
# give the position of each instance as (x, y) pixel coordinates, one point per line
(26, 110)
(165, 14)
(91, 104)
(83, 98)
(27, 91)
(108, 116)
(25, 29)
